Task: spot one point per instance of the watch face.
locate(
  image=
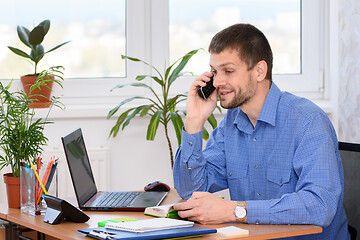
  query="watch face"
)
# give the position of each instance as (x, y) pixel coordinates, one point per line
(240, 212)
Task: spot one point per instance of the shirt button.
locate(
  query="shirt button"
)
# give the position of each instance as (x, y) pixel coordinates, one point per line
(257, 222)
(229, 174)
(256, 166)
(259, 194)
(255, 139)
(190, 143)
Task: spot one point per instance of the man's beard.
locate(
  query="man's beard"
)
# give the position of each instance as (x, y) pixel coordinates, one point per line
(241, 97)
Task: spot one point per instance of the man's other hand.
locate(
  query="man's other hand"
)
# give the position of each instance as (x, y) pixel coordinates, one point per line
(207, 208)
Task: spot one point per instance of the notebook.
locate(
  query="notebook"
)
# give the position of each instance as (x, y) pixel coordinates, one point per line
(106, 233)
(88, 197)
(148, 225)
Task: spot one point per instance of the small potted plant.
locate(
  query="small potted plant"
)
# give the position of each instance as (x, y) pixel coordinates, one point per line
(22, 134)
(161, 107)
(33, 39)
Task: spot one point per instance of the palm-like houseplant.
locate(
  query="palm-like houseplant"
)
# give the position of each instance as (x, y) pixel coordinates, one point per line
(161, 107)
(33, 39)
(22, 134)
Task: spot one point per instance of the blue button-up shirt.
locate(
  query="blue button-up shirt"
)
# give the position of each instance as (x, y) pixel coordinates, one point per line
(287, 168)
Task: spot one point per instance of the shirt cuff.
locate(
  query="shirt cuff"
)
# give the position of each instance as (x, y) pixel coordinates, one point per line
(190, 144)
(258, 212)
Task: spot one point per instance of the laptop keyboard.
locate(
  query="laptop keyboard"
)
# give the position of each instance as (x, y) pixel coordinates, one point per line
(116, 199)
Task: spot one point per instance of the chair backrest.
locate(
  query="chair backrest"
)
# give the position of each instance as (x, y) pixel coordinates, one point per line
(350, 157)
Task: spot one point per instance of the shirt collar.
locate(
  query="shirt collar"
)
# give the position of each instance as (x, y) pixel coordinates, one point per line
(268, 111)
(267, 114)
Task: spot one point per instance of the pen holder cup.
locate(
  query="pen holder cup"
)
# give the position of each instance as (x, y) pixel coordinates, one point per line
(31, 191)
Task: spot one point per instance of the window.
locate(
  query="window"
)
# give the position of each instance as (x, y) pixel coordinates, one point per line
(96, 29)
(296, 48)
(279, 20)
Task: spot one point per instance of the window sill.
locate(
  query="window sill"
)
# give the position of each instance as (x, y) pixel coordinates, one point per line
(100, 111)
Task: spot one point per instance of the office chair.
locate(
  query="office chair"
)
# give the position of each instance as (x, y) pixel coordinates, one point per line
(350, 157)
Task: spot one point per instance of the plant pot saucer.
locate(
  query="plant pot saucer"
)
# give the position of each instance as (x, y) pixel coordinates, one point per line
(40, 104)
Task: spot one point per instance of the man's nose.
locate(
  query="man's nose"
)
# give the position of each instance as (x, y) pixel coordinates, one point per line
(218, 81)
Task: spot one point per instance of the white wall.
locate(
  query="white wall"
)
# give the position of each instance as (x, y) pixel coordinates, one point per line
(349, 63)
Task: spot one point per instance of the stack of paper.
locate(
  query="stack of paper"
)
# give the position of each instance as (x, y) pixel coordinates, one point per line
(232, 231)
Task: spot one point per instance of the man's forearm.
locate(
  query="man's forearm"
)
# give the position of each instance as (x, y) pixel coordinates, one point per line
(193, 125)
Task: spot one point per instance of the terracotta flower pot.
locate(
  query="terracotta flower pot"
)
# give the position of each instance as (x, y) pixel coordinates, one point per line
(13, 190)
(42, 95)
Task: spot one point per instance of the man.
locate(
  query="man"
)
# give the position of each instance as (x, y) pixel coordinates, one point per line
(276, 152)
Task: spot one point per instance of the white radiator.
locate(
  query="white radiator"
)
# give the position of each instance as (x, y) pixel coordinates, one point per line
(100, 165)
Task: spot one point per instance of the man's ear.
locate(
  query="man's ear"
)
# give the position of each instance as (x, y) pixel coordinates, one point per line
(261, 70)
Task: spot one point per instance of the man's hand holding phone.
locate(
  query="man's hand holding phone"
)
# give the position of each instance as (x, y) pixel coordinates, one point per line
(205, 92)
(199, 109)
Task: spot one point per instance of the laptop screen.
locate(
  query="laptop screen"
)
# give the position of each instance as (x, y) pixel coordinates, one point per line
(79, 166)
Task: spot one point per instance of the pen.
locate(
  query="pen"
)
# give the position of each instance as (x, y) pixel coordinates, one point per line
(38, 163)
(38, 178)
(38, 166)
(101, 234)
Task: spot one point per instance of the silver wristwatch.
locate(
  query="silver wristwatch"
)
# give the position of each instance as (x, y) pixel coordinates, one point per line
(240, 211)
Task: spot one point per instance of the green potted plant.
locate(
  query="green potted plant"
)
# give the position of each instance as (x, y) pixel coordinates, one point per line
(22, 134)
(33, 39)
(161, 107)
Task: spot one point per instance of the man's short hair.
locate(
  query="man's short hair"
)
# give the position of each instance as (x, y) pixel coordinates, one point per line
(248, 41)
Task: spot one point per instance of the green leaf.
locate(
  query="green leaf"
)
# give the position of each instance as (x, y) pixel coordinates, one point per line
(23, 34)
(178, 124)
(159, 81)
(212, 121)
(115, 129)
(45, 25)
(37, 55)
(138, 60)
(169, 69)
(142, 77)
(205, 134)
(145, 110)
(132, 115)
(36, 36)
(62, 44)
(115, 109)
(131, 58)
(132, 84)
(153, 125)
(184, 60)
(19, 52)
(171, 103)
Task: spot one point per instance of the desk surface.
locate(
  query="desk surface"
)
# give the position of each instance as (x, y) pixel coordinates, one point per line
(68, 230)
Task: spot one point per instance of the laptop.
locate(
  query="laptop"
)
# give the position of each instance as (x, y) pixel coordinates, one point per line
(88, 197)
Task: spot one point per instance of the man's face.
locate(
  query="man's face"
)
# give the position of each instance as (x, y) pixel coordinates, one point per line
(233, 80)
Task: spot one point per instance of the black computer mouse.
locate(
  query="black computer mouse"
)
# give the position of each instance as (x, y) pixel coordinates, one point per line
(157, 186)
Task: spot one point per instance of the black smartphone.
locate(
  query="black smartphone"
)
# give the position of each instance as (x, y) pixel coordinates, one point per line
(206, 91)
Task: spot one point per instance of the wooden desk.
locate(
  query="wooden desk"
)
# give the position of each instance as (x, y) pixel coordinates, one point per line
(68, 230)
